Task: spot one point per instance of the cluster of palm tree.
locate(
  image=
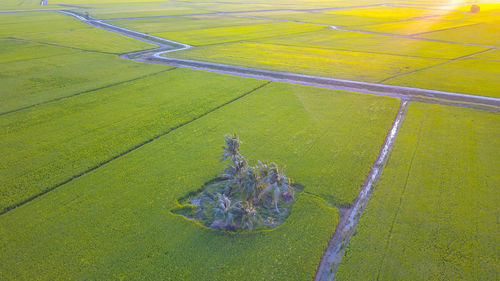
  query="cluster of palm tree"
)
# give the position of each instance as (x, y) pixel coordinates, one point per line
(256, 185)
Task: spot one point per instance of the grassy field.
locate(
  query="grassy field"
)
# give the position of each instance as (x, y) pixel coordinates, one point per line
(434, 213)
(362, 66)
(115, 222)
(474, 34)
(469, 76)
(17, 50)
(38, 80)
(217, 35)
(191, 23)
(62, 30)
(48, 144)
(96, 149)
(369, 43)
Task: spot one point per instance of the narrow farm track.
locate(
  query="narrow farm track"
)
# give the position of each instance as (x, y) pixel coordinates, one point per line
(350, 217)
(165, 46)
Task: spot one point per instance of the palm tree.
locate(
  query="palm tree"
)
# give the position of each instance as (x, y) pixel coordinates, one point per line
(277, 183)
(226, 210)
(249, 216)
(251, 184)
(234, 172)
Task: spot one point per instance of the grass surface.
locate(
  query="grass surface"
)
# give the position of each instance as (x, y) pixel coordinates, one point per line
(17, 50)
(175, 24)
(360, 66)
(29, 82)
(319, 17)
(48, 144)
(60, 29)
(104, 10)
(434, 213)
(469, 76)
(116, 223)
(474, 34)
(215, 35)
(360, 42)
(415, 27)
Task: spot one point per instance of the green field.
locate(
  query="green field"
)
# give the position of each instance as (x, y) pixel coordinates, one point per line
(361, 66)
(50, 143)
(472, 76)
(98, 142)
(61, 30)
(115, 222)
(187, 23)
(38, 80)
(434, 214)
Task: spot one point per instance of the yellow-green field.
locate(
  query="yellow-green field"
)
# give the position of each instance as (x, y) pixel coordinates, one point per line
(434, 213)
(99, 139)
(345, 64)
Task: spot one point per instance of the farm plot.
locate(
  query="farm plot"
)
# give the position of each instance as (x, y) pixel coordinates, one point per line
(416, 26)
(20, 5)
(29, 82)
(217, 35)
(360, 42)
(15, 24)
(434, 213)
(48, 144)
(481, 33)
(62, 30)
(15, 50)
(389, 13)
(138, 9)
(116, 222)
(469, 76)
(362, 66)
(318, 17)
(187, 23)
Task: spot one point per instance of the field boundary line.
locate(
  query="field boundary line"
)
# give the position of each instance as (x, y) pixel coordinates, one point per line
(434, 65)
(137, 146)
(85, 91)
(386, 247)
(46, 57)
(60, 46)
(349, 218)
(446, 29)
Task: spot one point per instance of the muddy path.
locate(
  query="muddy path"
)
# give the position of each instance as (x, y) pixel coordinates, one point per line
(349, 218)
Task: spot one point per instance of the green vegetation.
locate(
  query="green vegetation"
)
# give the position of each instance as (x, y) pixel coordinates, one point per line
(469, 76)
(17, 50)
(360, 66)
(48, 144)
(207, 36)
(474, 34)
(176, 24)
(34, 81)
(369, 43)
(112, 163)
(115, 222)
(434, 213)
(242, 197)
(62, 30)
(139, 8)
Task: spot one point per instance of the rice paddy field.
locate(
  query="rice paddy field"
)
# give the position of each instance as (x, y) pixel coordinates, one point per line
(434, 214)
(100, 137)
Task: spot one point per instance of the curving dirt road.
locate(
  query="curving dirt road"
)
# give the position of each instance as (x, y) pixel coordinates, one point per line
(164, 46)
